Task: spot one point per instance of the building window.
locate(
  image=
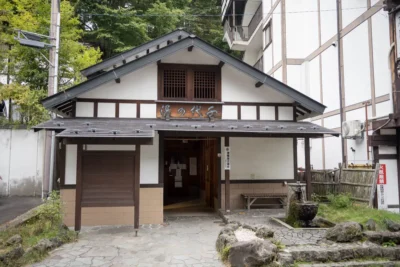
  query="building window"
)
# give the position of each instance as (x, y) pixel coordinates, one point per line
(267, 35)
(189, 82)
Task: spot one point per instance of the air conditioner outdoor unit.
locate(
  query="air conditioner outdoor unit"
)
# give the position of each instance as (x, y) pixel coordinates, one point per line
(352, 129)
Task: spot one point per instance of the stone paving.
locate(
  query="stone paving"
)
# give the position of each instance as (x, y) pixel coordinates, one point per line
(288, 237)
(181, 241)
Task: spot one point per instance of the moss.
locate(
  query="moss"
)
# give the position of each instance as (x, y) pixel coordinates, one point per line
(292, 218)
(225, 253)
(278, 244)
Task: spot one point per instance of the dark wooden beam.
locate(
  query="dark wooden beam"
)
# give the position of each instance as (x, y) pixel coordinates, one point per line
(137, 188)
(179, 37)
(148, 51)
(117, 110)
(169, 42)
(300, 112)
(107, 141)
(258, 84)
(398, 163)
(78, 190)
(221, 64)
(161, 157)
(61, 167)
(118, 80)
(382, 140)
(190, 48)
(158, 62)
(308, 167)
(95, 108)
(158, 46)
(137, 56)
(227, 182)
(385, 156)
(276, 113)
(295, 176)
(124, 61)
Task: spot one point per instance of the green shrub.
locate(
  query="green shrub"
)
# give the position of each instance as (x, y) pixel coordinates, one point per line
(51, 210)
(315, 197)
(389, 244)
(340, 201)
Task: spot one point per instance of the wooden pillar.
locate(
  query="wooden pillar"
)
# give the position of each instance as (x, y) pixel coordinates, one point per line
(137, 187)
(227, 183)
(308, 166)
(78, 191)
(398, 163)
(61, 164)
(296, 176)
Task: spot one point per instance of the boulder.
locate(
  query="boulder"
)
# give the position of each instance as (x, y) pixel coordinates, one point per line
(249, 227)
(252, 253)
(12, 255)
(225, 240)
(56, 241)
(345, 232)
(264, 232)
(371, 225)
(285, 259)
(14, 240)
(382, 237)
(43, 245)
(229, 229)
(392, 226)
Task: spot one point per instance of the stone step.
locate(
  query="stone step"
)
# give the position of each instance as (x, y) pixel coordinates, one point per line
(354, 264)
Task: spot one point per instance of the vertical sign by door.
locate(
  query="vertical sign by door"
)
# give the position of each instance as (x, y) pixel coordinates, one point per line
(382, 204)
(227, 158)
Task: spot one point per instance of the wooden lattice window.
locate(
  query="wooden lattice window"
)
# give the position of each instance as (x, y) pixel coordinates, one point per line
(204, 84)
(174, 83)
(185, 82)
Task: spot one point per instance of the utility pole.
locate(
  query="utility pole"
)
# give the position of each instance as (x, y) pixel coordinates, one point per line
(52, 89)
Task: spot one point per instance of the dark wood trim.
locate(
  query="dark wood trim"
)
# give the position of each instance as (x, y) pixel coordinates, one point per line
(239, 110)
(382, 140)
(295, 176)
(393, 206)
(117, 110)
(221, 64)
(78, 196)
(398, 162)
(258, 112)
(233, 134)
(137, 110)
(137, 187)
(386, 156)
(107, 141)
(268, 25)
(190, 48)
(219, 169)
(86, 205)
(258, 84)
(68, 186)
(161, 144)
(118, 80)
(258, 103)
(260, 181)
(294, 112)
(276, 113)
(308, 167)
(73, 113)
(63, 155)
(227, 182)
(152, 185)
(375, 151)
(128, 101)
(95, 108)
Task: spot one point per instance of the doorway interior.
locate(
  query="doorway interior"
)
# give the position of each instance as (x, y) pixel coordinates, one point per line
(191, 174)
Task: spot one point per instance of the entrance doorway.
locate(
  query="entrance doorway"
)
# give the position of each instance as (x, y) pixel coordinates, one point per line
(190, 173)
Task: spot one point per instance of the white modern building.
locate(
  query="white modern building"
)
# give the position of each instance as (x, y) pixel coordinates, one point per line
(296, 42)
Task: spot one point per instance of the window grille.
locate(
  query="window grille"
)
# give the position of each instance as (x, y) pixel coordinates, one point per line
(204, 84)
(174, 83)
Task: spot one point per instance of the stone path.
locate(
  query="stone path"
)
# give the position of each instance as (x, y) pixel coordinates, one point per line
(287, 236)
(182, 241)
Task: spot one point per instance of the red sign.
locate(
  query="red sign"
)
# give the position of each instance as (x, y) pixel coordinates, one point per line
(382, 174)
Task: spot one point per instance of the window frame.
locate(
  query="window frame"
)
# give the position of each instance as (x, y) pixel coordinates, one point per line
(189, 90)
(268, 26)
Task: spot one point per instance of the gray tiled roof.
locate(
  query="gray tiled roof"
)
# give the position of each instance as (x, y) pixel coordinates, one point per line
(117, 127)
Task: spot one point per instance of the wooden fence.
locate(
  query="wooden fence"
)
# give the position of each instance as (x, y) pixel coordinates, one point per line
(360, 184)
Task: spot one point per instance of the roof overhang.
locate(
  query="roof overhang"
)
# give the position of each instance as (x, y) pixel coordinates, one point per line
(144, 128)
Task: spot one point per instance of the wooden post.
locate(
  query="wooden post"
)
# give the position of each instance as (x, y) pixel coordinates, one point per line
(296, 176)
(308, 167)
(227, 183)
(78, 191)
(137, 187)
(374, 184)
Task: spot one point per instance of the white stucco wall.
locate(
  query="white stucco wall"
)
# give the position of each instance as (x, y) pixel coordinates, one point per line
(260, 158)
(21, 164)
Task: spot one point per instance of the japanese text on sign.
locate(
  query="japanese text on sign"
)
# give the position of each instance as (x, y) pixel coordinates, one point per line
(382, 174)
(227, 158)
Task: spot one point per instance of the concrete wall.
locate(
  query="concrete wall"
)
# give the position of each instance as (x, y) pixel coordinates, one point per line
(21, 162)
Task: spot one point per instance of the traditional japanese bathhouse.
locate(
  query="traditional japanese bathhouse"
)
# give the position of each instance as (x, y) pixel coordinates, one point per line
(175, 119)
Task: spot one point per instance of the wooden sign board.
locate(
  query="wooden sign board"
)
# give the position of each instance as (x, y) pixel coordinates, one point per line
(188, 111)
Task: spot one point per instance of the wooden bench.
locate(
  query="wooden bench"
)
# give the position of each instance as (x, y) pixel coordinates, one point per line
(252, 197)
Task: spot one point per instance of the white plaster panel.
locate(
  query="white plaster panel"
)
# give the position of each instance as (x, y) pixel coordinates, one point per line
(261, 158)
(313, 77)
(267, 59)
(5, 156)
(330, 84)
(316, 153)
(278, 74)
(229, 112)
(110, 147)
(300, 153)
(359, 155)
(149, 163)
(358, 114)
(277, 33)
(352, 9)
(391, 188)
(383, 108)
(381, 45)
(239, 87)
(84, 109)
(248, 112)
(70, 164)
(356, 65)
(197, 56)
(127, 110)
(333, 153)
(332, 122)
(106, 110)
(391, 150)
(294, 77)
(328, 19)
(267, 113)
(266, 7)
(135, 85)
(148, 111)
(285, 113)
